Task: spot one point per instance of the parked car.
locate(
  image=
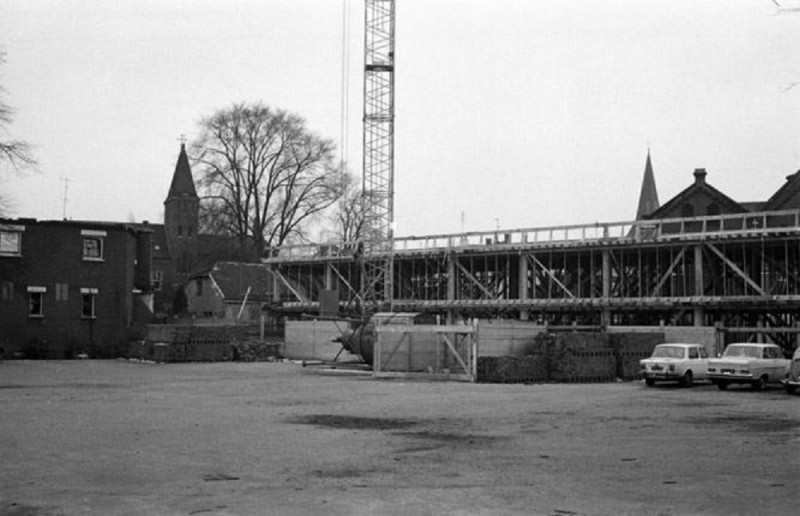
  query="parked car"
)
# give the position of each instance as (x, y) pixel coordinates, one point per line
(682, 363)
(744, 362)
(791, 380)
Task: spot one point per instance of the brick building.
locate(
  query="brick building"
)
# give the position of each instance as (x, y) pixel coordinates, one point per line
(72, 287)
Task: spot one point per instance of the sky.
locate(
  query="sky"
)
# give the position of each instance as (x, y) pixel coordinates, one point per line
(508, 113)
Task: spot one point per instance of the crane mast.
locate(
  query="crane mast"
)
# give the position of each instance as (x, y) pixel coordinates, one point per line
(378, 179)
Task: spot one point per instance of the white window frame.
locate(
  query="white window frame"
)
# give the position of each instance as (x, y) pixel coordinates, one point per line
(11, 240)
(39, 292)
(91, 293)
(97, 236)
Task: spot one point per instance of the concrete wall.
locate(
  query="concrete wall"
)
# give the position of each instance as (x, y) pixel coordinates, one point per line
(509, 338)
(313, 340)
(705, 335)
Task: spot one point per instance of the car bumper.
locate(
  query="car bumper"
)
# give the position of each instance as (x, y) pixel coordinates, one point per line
(662, 375)
(730, 377)
(791, 383)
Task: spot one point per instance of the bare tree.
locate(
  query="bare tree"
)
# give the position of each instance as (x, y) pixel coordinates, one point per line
(349, 214)
(13, 152)
(263, 174)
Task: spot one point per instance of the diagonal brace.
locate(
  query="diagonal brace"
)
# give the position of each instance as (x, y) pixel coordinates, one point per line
(736, 269)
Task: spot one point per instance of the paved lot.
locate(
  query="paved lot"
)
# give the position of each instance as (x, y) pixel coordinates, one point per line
(116, 437)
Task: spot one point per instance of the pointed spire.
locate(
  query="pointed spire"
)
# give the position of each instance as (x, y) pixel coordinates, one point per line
(182, 180)
(648, 198)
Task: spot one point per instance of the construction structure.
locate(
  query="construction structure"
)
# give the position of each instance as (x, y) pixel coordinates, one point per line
(378, 179)
(701, 259)
(738, 270)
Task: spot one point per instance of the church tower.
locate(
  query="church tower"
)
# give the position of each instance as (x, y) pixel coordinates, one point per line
(648, 198)
(181, 216)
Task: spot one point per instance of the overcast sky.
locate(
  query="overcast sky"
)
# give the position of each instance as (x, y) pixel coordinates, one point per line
(509, 113)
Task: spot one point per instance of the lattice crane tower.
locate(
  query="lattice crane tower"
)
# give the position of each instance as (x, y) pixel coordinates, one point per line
(378, 182)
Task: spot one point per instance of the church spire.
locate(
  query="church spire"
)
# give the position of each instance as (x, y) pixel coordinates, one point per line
(182, 181)
(648, 198)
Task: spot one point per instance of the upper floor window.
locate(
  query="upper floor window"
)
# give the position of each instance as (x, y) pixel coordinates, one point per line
(11, 240)
(93, 244)
(36, 301)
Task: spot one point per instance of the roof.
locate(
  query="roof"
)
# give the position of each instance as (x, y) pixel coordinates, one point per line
(648, 198)
(699, 187)
(234, 279)
(182, 180)
(787, 197)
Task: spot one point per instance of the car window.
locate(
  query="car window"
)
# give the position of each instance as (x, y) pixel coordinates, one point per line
(693, 353)
(668, 352)
(742, 351)
(703, 353)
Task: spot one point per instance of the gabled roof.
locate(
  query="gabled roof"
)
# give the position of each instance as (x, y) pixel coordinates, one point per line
(699, 187)
(787, 197)
(182, 180)
(648, 198)
(233, 279)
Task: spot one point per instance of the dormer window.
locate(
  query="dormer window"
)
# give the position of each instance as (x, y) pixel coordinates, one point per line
(93, 245)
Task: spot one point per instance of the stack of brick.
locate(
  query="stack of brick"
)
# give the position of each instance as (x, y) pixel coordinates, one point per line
(630, 348)
(252, 350)
(578, 357)
(527, 369)
(186, 343)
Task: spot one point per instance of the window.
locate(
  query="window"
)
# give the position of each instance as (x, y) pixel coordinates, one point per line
(87, 306)
(156, 279)
(36, 301)
(93, 245)
(693, 353)
(62, 292)
(198, 284)
(11, 240)
(8, 290)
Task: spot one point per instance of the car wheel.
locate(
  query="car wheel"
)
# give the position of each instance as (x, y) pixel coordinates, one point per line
(789, 388)
(722, 385)
(760, 383)
(687, 379)
(649, 382)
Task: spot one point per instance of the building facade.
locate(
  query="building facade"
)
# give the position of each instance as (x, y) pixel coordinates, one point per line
(70, 288)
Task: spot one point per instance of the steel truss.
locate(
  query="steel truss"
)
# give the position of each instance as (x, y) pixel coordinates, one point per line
(378, 183)
(678, 272)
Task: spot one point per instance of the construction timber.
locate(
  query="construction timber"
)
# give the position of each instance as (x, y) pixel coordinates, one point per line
(731, 271)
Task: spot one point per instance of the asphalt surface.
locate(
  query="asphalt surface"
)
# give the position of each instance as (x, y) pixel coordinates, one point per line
(127, 438)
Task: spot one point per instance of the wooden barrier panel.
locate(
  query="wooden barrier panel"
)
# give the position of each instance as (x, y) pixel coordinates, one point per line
(424, 351)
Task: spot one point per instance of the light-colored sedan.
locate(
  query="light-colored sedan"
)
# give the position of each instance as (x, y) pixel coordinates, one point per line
(678, 362)
(792, 380)
(746, 362)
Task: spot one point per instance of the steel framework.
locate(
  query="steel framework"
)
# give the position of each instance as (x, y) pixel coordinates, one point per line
(378, 180)
(735, 271)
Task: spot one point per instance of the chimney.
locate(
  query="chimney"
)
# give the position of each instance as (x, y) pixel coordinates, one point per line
(699, 176)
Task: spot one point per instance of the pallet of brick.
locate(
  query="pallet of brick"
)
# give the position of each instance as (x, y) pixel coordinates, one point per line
(252, 350)
(630, 348)
(594, 366)
(507, 369)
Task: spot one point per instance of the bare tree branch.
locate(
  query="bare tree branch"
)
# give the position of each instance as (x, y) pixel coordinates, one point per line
(264, 176)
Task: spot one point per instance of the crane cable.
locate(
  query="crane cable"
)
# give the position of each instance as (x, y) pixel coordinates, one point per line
(345, 85)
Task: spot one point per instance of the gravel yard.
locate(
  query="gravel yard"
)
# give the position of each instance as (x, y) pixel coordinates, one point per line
(120, 437)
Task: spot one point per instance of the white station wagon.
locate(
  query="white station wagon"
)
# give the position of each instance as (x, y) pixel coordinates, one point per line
(682, 363)
(745, 362)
